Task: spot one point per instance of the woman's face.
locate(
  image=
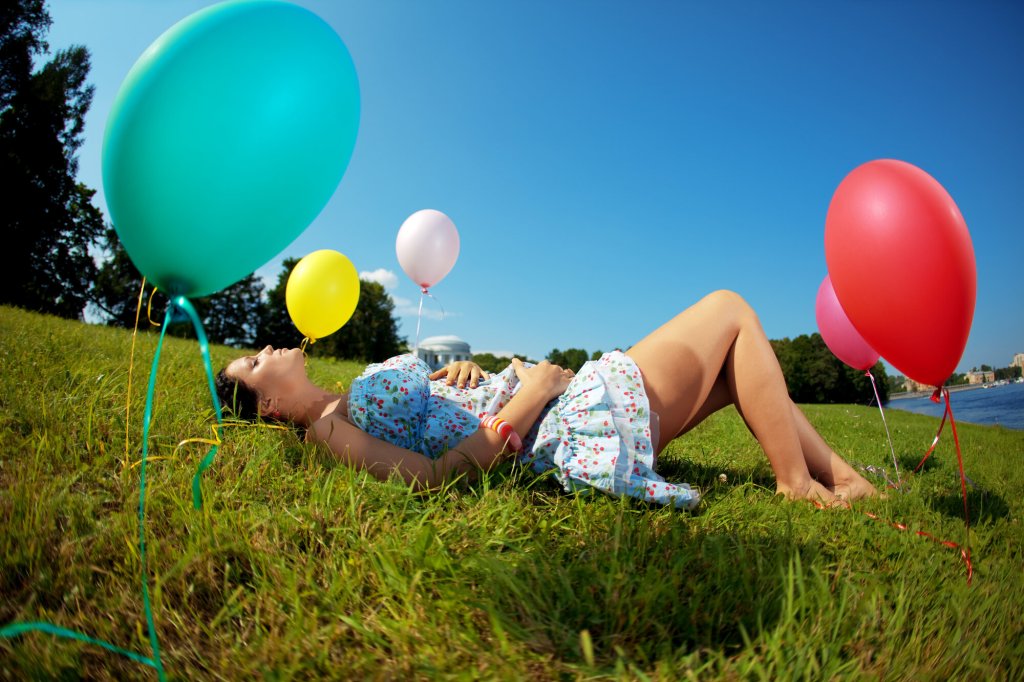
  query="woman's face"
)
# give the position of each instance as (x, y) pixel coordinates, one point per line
(270, 372)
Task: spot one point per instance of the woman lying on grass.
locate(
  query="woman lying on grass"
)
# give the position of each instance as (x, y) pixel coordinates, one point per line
(602, 428)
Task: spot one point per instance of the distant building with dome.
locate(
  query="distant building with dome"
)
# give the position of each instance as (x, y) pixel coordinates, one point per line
(440, 351)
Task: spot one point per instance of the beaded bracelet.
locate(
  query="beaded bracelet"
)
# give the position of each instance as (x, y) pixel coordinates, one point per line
(503, 429)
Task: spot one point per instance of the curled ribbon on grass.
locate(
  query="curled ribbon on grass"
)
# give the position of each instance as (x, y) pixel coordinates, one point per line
(216, 440)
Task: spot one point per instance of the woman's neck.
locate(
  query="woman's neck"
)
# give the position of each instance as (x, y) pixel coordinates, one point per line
(309, 404)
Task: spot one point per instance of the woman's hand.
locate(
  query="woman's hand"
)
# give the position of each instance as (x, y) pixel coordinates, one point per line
(461, 373)
(544, 377)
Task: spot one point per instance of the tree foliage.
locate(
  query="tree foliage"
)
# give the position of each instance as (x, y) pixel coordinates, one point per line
(48, 217)
(1008, 373)
(489, 362)
(277, 328)
(570, 358)
(814, 375)
(233, 316)
(371, 334)
(116, 289)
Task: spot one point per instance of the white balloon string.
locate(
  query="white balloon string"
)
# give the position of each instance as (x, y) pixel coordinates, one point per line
(419, 318)
(435, 299)
(878, 400)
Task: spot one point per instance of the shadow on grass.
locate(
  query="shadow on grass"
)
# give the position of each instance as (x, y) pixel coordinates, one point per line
(910, 460)
(705, 477)
(983, 506)
(641, 593)
(697, 475)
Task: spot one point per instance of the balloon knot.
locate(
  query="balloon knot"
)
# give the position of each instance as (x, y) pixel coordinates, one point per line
(937, 395)
(423, 289)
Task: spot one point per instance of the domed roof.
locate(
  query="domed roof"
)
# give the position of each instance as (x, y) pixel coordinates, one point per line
(449, 343)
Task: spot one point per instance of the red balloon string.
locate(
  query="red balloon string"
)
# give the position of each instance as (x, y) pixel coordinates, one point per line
(963, 483)
(965, 551)
(942, 425)
(965, 554)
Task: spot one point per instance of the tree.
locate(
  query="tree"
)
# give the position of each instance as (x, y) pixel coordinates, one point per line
(48, 218)
(115, 290)
(814, 375)
(233, 316)
(23, 27)
(957, 379)
(570, 358)
(370, 335)
(489, 362)
(1008, 373)
(277, 328)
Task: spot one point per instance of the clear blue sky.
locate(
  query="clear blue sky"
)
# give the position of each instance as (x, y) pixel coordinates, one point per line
(607, 163)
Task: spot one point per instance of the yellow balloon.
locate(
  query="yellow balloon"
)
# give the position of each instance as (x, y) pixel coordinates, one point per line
(322, 293)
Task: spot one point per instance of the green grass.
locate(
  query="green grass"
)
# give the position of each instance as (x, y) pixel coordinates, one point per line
(297, 568)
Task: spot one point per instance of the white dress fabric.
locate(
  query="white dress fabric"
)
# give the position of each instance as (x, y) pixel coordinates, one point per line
(596, 435)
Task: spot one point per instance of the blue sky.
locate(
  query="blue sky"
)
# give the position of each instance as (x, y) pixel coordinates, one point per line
(608, 163)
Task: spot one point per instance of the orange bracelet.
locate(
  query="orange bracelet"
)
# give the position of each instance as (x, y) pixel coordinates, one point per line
(503, 429)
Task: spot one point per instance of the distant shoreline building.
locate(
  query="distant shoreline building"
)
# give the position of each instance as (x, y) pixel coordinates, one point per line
(441, 351)
(981, 377)
(911, 386)
(1018, 361)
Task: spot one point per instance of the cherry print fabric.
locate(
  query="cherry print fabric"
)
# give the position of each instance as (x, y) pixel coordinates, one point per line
(596, 435)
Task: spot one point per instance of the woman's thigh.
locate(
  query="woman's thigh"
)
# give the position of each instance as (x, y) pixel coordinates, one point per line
(682, 360)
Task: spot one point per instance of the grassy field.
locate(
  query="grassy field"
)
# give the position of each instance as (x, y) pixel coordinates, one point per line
(296, 568)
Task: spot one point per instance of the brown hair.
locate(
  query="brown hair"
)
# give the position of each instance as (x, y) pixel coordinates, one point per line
(236, 397)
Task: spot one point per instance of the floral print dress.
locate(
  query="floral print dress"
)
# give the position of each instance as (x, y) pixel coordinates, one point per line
(596, 435)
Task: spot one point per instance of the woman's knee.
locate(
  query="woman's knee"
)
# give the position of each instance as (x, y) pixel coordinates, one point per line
(730, 303)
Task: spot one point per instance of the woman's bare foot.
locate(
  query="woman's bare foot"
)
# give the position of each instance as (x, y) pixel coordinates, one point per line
(814, 492)
(854, 487)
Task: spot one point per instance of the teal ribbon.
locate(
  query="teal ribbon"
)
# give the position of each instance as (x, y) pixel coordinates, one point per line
(178, 305)
(204, 348)
(18, 629)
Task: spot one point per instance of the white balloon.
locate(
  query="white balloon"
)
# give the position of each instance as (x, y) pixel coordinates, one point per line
(427, 247)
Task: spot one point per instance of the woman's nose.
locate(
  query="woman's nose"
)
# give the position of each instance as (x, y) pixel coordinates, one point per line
(268, 349)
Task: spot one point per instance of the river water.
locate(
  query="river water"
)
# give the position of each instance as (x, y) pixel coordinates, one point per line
(1002, 405)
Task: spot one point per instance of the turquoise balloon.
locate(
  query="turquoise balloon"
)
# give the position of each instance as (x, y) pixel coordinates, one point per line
(227, 138)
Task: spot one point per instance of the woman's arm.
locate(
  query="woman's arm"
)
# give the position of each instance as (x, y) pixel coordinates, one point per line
(481, 450)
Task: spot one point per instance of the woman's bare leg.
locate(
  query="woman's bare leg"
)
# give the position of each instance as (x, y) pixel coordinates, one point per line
(823, 463)
(713, 353)
(826, 466)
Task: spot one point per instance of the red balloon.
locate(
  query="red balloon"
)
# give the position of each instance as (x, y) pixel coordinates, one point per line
(902, 265)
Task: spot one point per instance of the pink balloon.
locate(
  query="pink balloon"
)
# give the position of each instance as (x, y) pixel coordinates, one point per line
(427, 247)
(839, 334)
